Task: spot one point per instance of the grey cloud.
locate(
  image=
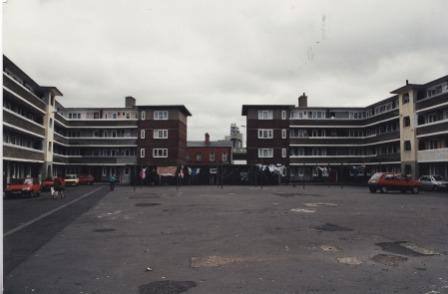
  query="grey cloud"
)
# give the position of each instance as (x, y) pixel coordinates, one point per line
(215, 56)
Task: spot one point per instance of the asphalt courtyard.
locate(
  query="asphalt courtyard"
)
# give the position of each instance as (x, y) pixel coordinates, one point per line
(313, 239)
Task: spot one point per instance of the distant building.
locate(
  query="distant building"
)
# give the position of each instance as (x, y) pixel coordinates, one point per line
(42, 138)
(208, 152)
(235, 137)
(405, 133)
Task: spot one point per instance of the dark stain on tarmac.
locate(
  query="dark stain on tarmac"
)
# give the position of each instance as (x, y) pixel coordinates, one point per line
(105, 230)
(333, 228)
(288, 195)
(397, 248)
(166, 287)
(146, 204)
(390, 260)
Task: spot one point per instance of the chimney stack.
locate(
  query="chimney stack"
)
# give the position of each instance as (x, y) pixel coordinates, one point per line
(129, 102)
(207, 139)
(407, 82)
(303, 101)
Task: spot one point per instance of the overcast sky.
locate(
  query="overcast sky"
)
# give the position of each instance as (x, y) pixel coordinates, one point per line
(214, 56)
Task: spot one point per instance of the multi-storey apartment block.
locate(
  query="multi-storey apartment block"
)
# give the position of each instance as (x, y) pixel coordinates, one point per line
(43, 138)
(404, 133)
(162, 133)
(28, 123)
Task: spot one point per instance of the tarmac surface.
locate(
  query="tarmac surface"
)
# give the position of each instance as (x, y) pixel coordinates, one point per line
(317, 239)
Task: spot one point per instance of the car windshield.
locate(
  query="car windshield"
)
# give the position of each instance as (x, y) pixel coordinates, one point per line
(71, 177)
(28, 181)
(438, 178)
(376, 176)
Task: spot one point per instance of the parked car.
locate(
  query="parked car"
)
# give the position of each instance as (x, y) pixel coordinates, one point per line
(23, 187)
(434, 183)
(385, 182)
(48, 183)
(71, 179)
(86, 180)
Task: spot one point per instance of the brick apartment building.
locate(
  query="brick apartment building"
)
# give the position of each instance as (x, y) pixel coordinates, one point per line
(209, 153)
(43, 138)
(406, 133)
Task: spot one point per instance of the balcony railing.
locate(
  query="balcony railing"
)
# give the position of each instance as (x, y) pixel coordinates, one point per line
(433, 155)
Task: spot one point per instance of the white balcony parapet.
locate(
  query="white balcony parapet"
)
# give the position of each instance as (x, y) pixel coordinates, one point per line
(433, 155)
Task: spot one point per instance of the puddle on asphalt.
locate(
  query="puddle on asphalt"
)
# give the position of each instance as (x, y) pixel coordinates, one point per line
(406, 248)
(105, 230)
(303, 210)
(390, 260)
(166, 287)
(298, 194)
(144, 204)
(332, 228)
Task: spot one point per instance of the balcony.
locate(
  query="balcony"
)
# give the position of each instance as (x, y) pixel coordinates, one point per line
(22, 123)
(431, 102)
(433, 155)
(120, 160)
(22, 92)
(27, 154)
(432, 129)
(96, 141)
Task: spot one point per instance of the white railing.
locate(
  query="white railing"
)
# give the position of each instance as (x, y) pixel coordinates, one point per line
(433, 155)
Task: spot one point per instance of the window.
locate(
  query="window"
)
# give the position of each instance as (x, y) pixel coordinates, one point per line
(160, 134)
(142, 152)
(265, 153)
(49, 146)
(284, 152)
(143, 115)
(406, 121)
(142, 134)
(283, 114)
(212, 156)
(198, 157)
(405, 98)
(161, 115)
(224, 157)
(407, 145)
(265, 133)
(284, 134)
(160, 152)
(265, 114)
(50, 124)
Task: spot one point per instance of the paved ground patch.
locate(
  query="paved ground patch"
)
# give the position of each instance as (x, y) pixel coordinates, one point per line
(246, 240)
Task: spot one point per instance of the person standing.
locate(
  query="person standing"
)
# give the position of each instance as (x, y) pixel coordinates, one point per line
(112, 181)
(58, 188)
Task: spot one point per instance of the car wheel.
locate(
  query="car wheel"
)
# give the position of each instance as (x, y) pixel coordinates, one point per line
(435, 188)
(372, 190)
(415, 190)
(383, 189)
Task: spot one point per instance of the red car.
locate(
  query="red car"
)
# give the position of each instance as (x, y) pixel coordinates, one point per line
(86, 180)
(49, 182)
(23, 187)
(384, 182)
